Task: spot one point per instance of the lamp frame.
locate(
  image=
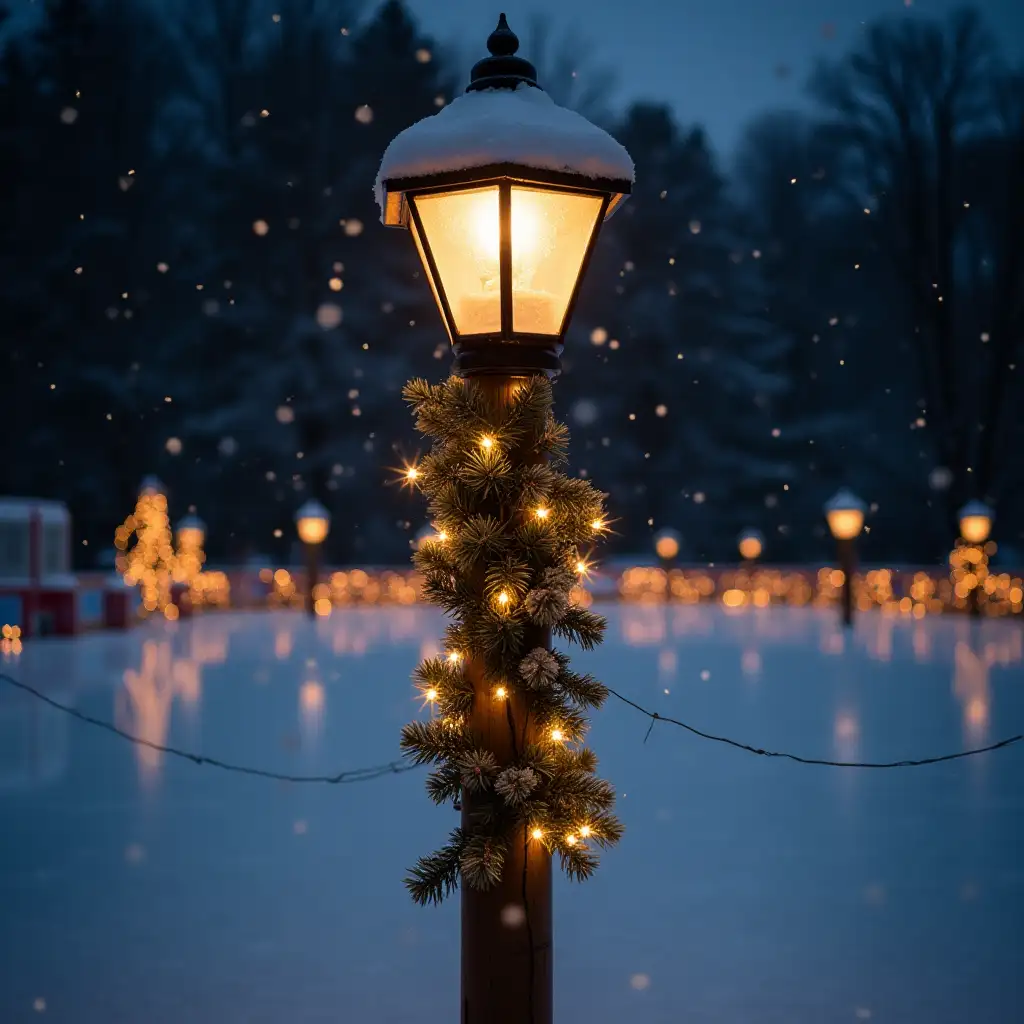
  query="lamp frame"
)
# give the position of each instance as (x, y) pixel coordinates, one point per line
(506, 351)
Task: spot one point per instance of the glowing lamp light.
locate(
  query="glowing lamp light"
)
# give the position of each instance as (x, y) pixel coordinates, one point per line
(666, 544)
(975, 522)
(750, 544)
(845, 514)
(504, 245)
(191, 532)
(313, 522)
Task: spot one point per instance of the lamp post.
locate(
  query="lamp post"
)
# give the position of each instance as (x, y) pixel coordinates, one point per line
(750, 544)
(975, 526)
(312, 522)
(845, 514)
(504, 193)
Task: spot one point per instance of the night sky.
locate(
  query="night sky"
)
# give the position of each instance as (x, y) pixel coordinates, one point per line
(716, 61)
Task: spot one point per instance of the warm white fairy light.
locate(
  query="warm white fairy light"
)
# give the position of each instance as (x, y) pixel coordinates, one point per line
(411, 473)
(597, 525)
(442, 535)
(486, 441)
(500, 692)
(542, 513)
(584, 831)
(431, 694)
(570, 840)
(454, 657)
(557, 735)
(537, 833)
(503, 598)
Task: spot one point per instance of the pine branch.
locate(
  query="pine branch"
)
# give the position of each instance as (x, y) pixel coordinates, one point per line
(582, 627)
(436, 876)
(432, 742)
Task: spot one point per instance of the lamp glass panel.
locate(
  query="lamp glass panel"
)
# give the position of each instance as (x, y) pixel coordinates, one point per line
(313, 529)
(845, 523)
(463, 232)
(975, 529)
(550, 234)
(430, 277)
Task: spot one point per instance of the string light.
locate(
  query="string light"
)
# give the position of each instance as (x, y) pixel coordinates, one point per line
(598, 525)
(584, 831)
(486, 441)
(442, 535)
(503, 598)
(411, 473)
(454, 657)
(431, 694)
(537, 833)
(501, 693)
(557, 735)
(570, 840)
(542, 513)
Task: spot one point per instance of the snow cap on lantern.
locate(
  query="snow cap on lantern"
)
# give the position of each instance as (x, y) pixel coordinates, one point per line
(504, 192)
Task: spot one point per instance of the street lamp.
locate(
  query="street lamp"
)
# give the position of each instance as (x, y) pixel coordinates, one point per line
(975, 526)
(666, 545)
(312, 522)
(845, 514)
(504, 194)
(191, 532)
(975, 522)
(750, 544)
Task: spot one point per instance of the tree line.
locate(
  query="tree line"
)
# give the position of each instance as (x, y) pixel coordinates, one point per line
(194, 282)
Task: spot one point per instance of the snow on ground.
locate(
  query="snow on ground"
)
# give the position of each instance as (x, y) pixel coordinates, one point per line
(137, 888)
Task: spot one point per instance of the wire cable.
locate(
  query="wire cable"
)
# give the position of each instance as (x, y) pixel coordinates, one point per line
(654, 716)
(365, 774)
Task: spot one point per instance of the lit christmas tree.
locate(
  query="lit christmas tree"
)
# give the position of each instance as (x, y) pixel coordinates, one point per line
(148, 562)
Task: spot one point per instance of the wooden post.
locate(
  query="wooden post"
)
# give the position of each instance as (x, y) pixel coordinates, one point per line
(847, 563)
(507, 975)
(312, 576)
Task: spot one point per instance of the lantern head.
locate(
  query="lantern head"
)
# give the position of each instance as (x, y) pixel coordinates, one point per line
(975, 522)
(845, 514)
(750, 544)
(191, 531)
(504, 193)
(666, 545)
(312, 522)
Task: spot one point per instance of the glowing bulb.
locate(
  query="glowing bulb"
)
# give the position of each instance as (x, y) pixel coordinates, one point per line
(503, 598)
(411, 473)
(584, 831)
(556, 735)
(486, 441)
(570, 840)
(500, 693)
(454, 657)
(542, 513)
(597, 524)
(581, 568)
(431, 694)
(442, 535)
(537, 833)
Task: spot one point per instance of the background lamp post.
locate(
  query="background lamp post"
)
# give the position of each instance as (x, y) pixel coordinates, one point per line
(750, 544)
(666, 546)
(975, 526)
(312, 522)
(504, 193)
(845, 514)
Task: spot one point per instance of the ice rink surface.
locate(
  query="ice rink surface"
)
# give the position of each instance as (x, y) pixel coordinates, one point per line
(135, 887)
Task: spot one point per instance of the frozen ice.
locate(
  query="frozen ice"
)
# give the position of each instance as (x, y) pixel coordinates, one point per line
(747, 891)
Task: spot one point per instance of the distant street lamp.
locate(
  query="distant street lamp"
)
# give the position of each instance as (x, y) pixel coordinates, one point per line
(845, 514)
(191, 532)
(975, 526)
(313, 522)
(750, 544)
(666, 546)
(975, 522)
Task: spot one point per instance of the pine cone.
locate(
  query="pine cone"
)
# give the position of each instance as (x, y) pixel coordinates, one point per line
(546, 606)
(539, 669)
(516, 784)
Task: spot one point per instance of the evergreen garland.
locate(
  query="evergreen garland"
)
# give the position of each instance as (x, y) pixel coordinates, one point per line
(512, 536)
